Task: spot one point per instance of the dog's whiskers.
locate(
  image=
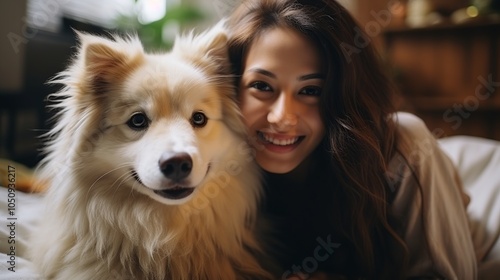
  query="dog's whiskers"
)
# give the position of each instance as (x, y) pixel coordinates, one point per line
(124, 177)
(123, 165)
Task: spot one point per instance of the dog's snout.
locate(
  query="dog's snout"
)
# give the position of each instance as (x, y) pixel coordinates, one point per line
(176, 167)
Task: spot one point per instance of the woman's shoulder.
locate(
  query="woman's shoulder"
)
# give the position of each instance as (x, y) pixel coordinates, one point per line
(413, 132)
(411, 125)
(428, 203)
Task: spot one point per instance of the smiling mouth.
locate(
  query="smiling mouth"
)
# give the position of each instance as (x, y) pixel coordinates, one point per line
(177, 192)
(270, 139)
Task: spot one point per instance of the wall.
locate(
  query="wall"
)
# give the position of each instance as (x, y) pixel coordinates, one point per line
(12, 44)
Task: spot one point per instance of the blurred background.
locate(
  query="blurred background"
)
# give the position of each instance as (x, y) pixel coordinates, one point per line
(442, 54)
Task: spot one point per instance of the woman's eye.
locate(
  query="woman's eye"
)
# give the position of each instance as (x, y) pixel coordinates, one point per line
(311, 91)
(261, 86)
(138, 121)
(198, 119)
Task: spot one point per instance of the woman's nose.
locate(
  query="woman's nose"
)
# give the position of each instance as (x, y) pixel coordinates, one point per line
(281, 113)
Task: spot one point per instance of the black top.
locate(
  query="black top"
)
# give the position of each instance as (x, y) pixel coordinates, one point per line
(300, 207)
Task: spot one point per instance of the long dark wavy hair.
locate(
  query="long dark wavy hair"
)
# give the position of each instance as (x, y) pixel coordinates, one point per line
(356, 108)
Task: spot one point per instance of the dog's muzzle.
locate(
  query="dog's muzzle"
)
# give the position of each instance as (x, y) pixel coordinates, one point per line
(175, 167)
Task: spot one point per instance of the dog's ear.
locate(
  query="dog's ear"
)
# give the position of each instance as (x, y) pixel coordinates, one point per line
(208, 49)
(108, 61)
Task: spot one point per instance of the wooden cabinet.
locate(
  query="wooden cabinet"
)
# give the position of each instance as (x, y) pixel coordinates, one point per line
(449, 75)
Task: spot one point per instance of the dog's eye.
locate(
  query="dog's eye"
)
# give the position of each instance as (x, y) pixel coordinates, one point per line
(138, 121)
(198, 119)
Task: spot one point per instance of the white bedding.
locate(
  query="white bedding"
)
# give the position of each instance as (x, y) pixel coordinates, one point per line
(478, 161)
(27, 210)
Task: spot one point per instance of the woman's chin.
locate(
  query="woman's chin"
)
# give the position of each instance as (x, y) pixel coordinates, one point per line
(276, 168)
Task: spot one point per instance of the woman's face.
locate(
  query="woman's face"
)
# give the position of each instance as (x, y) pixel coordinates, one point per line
(279, 97)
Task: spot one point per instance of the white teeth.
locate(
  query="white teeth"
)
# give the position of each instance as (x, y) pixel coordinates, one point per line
(280, 142)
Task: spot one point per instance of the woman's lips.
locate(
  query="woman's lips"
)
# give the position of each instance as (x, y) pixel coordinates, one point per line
(279, 143)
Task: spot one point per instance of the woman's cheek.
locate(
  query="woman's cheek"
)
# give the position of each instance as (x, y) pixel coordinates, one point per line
(251, 108)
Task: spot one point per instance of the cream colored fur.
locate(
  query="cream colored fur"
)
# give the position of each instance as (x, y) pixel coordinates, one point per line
(100, 221)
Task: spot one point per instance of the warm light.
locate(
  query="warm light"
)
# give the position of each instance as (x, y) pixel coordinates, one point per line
(472, 11)
(397, 8)
(152, 10)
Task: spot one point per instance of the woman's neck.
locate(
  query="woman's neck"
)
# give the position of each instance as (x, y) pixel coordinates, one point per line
(298, 177)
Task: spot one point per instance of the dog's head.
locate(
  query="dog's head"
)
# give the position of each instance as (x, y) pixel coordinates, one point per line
(157, 123)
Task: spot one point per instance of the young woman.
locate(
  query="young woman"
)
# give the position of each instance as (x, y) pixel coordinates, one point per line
(354, 189)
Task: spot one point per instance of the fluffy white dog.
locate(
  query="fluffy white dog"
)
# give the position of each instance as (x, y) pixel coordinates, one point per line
(150, 173)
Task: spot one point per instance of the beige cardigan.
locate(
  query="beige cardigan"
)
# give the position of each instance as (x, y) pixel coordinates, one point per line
(432, 211)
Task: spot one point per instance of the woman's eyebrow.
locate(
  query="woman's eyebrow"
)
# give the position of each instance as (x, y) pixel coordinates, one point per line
(272, 75)
(311, 76)
(262, 71)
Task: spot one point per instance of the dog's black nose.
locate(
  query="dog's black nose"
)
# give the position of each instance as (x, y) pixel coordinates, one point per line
(175, 166)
